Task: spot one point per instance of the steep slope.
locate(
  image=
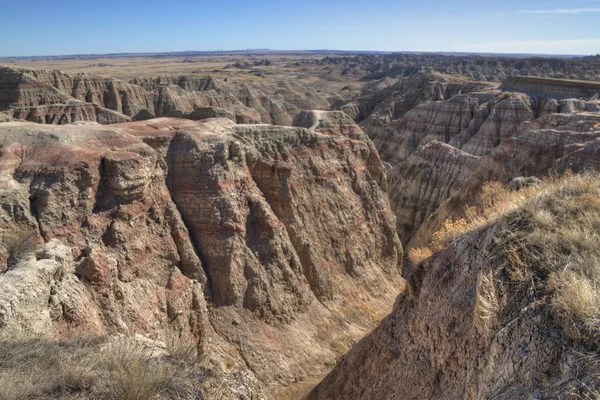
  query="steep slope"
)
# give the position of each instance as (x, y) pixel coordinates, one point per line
(375, 109)
(481, 68)
(438, 180)
(552, 88)
(509, 310)
(43, 96)
(444, 148)
(56, 98)
(273, 248)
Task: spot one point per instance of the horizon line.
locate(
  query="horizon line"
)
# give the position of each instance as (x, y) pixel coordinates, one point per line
(267, 50)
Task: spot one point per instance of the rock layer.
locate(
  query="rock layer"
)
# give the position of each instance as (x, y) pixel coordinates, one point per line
(443, 151)
(480, 318)
(552, 88)
(31, 93)
(272, 247)
(476, 67)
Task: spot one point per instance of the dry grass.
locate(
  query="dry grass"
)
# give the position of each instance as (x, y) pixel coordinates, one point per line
(578, 298)
(19, 242)
(417, 255)
(486, 303)
(450, 230)
(131, 67)
(547, 238)
(495, 200)
(93, 367)
(298, 390)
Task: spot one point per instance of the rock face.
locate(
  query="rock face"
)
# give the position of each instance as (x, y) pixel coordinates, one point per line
(447, 145)
(552, 88)
(48, 97)
(468, 326)
(272, 247)
(101, 193)
(51, 97)
(378, 108)
(480, 320)
(436, 181)
(481, 68)
(68, 113)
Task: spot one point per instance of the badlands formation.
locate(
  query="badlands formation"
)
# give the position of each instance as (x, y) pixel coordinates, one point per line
(271, 213)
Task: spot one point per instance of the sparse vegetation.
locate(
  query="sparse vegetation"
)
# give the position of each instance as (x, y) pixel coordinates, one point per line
(495, 200)
(23, 152)
(545, 237)
(94, 367)
(417, 255)
(19, 242)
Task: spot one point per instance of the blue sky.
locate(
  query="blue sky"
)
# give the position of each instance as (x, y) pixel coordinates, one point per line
(48, 27)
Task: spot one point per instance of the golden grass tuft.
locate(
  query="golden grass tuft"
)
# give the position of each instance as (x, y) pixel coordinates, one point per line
(419, 254)
(19, 242)
(486, 302)
(577, 297)
(93, 367)
(546, 238)
(450, 230)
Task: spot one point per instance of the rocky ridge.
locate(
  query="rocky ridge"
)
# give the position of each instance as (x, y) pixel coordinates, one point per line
(273, 248)
(552, 88)
(487, 316)
(54, 97)
(443, 149)
(480, 68)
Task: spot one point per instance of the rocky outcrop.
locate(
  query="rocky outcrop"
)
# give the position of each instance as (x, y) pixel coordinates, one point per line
(443, 151)
(375, 109)
(53, 97)
(68, 113)
(30, 87)
(101, 192)
(475, 123)
(438, 181)
(274, 248)
(51, 93)
(250, 102)
(201, 113)
(476, 67)
(552, 88)
(482, 318)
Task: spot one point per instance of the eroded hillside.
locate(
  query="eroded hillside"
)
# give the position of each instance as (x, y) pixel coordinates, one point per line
(457, 135)
(484, 68)
(507, 310)
(53, 97)
(272, 248)
(265, 239)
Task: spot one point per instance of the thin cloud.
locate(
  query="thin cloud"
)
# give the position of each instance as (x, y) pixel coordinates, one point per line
(562, 11)
(569, 46)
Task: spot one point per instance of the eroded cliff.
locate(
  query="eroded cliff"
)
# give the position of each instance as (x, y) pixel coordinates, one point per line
(273, 248)
(500, 312)
(53, 97)
(442, 150)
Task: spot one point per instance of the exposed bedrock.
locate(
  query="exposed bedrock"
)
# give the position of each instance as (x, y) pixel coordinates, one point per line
(47, 97)
(476, 67)
(552, 88)
(478, 320)
(442, 152)
(377, 108)
(273, 247)
(438, 181)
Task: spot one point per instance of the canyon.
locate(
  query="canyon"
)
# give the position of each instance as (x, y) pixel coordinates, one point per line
(264, 210)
